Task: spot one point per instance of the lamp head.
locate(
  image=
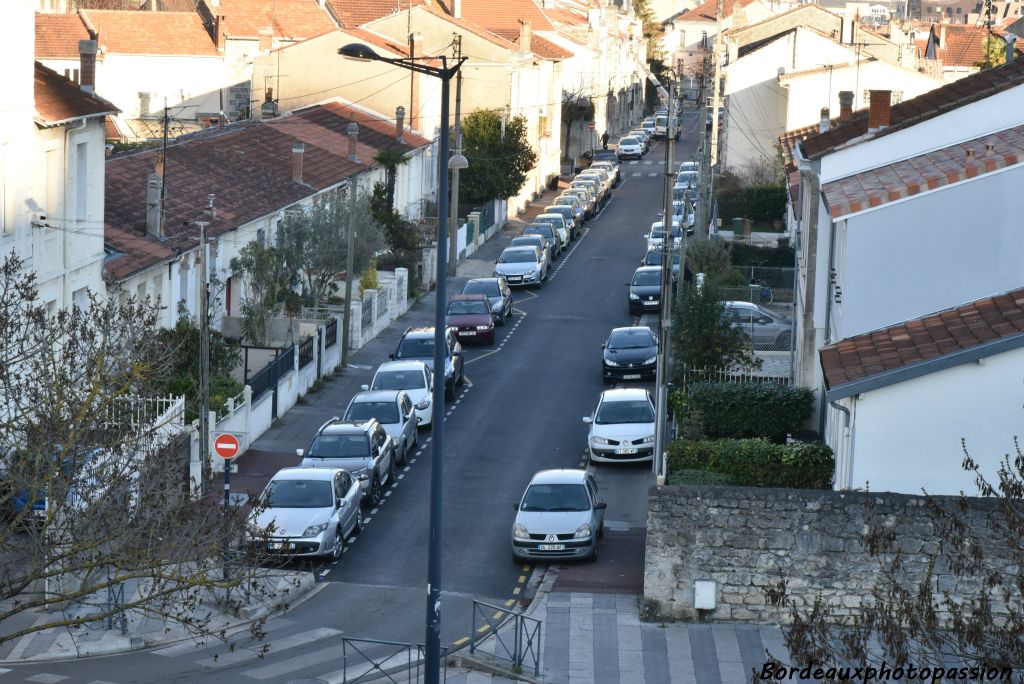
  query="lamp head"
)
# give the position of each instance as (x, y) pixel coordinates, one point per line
(358, 51)
(458, 161)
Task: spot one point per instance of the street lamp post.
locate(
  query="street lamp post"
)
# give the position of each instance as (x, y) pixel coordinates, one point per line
(361, 52)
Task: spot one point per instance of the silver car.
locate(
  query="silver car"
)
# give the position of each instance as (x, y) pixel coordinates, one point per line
(574, 203)
(559, 516)
(534, 241)
(307, 512)
(621, 427)
(558, 223)
(522, 266)
(394, 410)
(412, 376)
(768, 330)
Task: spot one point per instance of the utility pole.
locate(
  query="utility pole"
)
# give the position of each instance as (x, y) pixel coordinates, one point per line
(704, 177)
(204, 340)
(163, 172)
(667, 240)
(350, 242)
(453, 226)
(716, 87)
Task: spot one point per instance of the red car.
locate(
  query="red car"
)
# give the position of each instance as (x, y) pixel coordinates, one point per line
(469, 315)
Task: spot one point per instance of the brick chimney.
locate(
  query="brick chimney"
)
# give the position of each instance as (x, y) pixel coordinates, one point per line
(298, 150)
(415, 48)
(823, 124)
(266, 39)
(879, 112)
(353, 132)
(154, 208)
(525, 37)
(399, 123)
(268, 110)
(457, 8)
(942, 35)
(87, 65)
(845, 104)
(219, 29)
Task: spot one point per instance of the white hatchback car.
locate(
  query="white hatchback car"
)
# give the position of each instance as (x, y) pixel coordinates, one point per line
(630, 148)
(621, 427)
(412, 376)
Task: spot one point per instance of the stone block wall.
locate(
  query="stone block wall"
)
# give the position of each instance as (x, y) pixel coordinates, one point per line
(751, 540)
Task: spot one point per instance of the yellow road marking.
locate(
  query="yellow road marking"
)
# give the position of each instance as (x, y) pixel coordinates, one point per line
(510, 602)
(483, 629)
(526, 568)
(522, 578)
(459, 642)
(516, 591)
(498, 615)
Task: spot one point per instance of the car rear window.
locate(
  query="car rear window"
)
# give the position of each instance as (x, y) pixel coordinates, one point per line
(339, 446)
(416, 348)
(465, 307)
(394, 380)
(384, 411)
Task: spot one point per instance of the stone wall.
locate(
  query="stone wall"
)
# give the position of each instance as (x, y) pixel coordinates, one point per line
(749, 540)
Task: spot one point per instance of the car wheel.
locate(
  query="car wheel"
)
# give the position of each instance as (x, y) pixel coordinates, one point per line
(338, 545)
(373, 498)
(592, 558)
(405, 456)
(357, 526)
(462, 376)
(449, 391)
(508, 314)
(391, 472)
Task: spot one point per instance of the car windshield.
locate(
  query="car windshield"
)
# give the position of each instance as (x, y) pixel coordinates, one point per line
(534, 241)
(484, 287)
(555, 498)
(298, 494)
(384, 411)
(630, 339)
(565, 201)
(467, 307)
(543, 229)
(630, 411)
(416, 348)
(393, 380)
(661, 121)
(629, 141)
(339, 446)
(647, 278)
(518, 256)
(654, 258)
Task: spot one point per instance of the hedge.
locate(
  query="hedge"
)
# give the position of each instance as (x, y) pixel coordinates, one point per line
(743, 254)
(757, 462)
(749, 409)
(764, 202)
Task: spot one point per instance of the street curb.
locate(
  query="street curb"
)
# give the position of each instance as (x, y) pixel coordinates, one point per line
(477, 664)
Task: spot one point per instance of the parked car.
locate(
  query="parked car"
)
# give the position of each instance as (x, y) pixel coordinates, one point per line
(361, 447)
(547, 231)
(558, 223)
(394, 410)
(586, 199)
(414, 377)
(629, 354)
(560, 515)
(603, 176)
(574, 203)
(621, 427)
(469, 315)
(645, 290)
(593, 190)
(645, 138)
(653, 258)
(307, 512)
(686, 179)
(418, 344)
(768, 330)
(688, 166)
(649, 124)
(657, 234)
(532, 240)
(568, 215)
(497, 292)
(522, 266)
(610, 161)
(629, 147)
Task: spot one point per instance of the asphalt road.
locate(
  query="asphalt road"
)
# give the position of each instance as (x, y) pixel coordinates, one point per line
(520, 412)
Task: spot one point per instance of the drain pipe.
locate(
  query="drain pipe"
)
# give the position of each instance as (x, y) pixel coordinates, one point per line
(830, 293)
(848, 460)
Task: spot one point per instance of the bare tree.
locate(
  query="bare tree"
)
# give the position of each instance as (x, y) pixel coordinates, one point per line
(93, 486)
(576, 106)
(912, 618)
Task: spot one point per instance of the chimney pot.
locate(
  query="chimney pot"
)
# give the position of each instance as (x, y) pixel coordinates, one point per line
(87, 65)
(298, 150)
(353, 132)
(153, 208)
(879, 109)
(219, 31)
(266, 39)
(970, 153)
(268, 110)
(989, 148)
(525, 37)
(457, 8)
(845, 104)
(823, 125)
(399, 123)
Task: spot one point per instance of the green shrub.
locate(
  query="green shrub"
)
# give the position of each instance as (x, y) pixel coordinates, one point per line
(764, 202)
(757, 462)
(751, 409)
(750, 255)
(690, 476)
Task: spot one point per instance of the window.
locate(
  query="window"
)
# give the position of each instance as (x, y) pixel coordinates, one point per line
(80, 298)
(141, 291)
(157, 289)
(959, 10)
(82, 181)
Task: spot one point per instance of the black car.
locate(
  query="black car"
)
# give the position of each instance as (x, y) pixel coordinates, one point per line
(548, 232)
(630, 354)
(498, 293)
(417, 344)
(653, 258)
(645, 290)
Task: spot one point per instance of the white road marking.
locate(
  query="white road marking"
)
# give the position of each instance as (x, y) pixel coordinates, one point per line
(373, 511)
(653, 174)
(291, 665)
(401, 475)
(637, 173)
(241, 655)
(366, 521)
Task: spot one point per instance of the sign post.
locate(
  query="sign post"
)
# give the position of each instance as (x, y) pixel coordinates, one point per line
(226, 445)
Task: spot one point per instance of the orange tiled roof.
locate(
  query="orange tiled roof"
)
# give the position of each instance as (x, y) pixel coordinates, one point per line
(542, 47)
(504, 15)
(353, 13)
(470, 27)
(921, 108)
(925, 172)
(561, 15)
(58, 99)
(57, 35)
(132, 32)
(208, 162)
(286, 18)
(707, 11)
(921, 340)
(377, 40)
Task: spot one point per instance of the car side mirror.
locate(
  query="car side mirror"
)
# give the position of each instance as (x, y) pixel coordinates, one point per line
(764, 320)
(418, 420)
(391, 356)
(600, 506)
(588, 420)
(300, 452)
(603, 346)
(515, 505)
(341, 503)
(365, 387)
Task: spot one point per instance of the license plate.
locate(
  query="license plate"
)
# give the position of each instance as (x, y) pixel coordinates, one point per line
(625, 451)
(277, 546)
(651, 303)
(468, 333)
(514, 279)
(552, 547)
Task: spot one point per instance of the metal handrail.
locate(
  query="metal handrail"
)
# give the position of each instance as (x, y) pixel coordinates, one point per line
(376, 670)
(526, 634)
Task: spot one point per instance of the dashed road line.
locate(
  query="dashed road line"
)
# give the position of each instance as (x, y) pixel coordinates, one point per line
(636, 173)
(373, 511)
(459, 642)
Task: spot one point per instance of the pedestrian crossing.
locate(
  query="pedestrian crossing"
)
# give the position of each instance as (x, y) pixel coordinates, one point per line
(644, 162)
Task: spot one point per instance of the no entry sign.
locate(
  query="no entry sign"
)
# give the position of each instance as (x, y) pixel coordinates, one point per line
(226, 445)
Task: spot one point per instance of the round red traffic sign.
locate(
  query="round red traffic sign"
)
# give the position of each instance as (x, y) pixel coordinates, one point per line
(226, 445)
(591, 124)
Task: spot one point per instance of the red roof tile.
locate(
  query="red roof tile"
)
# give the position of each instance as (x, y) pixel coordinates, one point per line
(504, 15)
(59, 99)
(150, 33)
(57, 35)
(285, 18)
(921, 108)
(923, 339)
(925, 172)
(561, 15)
(707, 11)
(353, 13)
(378, 40)
(246, 165)
(542, 47)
